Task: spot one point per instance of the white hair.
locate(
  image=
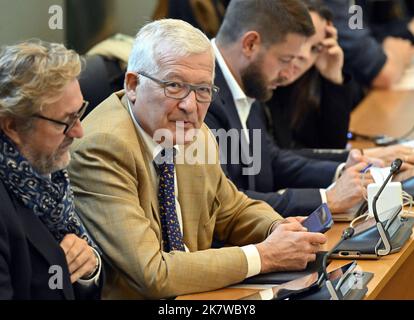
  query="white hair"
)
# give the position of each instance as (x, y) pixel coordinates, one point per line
(172, 36)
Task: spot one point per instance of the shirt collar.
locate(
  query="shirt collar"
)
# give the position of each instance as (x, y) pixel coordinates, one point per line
(235, 89)
(152, 148)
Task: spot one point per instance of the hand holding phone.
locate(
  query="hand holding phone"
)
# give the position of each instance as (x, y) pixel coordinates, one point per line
(320, 220)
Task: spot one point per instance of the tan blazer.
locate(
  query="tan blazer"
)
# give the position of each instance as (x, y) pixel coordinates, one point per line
(118, 204)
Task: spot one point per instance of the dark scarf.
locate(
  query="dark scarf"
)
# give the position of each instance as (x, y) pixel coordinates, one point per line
(50, 199)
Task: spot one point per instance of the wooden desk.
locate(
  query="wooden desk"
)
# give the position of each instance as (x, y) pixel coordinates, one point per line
(382, 112)
(393, 274)
(390, 113)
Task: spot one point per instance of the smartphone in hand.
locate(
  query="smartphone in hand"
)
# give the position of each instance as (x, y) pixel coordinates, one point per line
(320, 220)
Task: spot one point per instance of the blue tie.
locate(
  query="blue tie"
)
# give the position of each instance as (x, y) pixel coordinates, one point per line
(171, 232)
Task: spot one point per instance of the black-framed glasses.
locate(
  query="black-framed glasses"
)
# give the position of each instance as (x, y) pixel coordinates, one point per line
(204, 93)
(71, 122)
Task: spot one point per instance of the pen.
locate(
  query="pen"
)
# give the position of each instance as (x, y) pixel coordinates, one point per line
(366, 168)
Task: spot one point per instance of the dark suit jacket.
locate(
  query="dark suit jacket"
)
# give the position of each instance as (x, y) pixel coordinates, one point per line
(27, 251)
(280, 169)
(387, 18)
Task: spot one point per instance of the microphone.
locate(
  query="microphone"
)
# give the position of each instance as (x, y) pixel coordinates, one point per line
(346, 234)
(395, 167)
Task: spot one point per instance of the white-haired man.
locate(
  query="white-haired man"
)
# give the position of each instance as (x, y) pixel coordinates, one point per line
(156, 219)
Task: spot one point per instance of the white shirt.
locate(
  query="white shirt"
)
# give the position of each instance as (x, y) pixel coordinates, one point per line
(243, 103)
(152, 150)
(95, 279)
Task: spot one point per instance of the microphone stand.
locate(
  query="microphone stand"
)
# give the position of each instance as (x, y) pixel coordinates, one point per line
(346, 234)
(395, 167)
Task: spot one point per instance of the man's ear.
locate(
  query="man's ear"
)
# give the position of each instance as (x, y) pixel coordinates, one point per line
(8, 126)
(131, 83)
(251, 43)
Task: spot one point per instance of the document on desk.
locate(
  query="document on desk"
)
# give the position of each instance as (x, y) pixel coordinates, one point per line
(265, 291)
(407, 80)
(409, 143)
(380, 174)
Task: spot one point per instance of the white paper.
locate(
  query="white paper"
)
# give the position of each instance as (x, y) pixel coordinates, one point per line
(380, 174)
(407, 80)
(409, 143)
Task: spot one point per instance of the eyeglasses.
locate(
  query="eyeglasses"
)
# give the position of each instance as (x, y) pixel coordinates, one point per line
(180, 90)
(71, 122)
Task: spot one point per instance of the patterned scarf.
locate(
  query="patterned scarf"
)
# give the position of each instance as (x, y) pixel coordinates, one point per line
(51, 199)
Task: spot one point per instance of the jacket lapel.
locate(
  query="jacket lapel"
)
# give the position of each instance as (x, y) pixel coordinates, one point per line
(227, 100)
(191, 191)
(147, 179)
(153, 193)
(40, 237)
(230, 110)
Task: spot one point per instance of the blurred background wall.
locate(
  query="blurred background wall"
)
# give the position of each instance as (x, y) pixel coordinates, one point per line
(22, 19)
(86, 22)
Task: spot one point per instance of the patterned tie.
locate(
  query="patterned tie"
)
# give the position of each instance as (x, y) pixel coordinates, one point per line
(171, 232)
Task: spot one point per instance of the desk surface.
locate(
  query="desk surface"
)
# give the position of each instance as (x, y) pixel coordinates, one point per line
(382, 112)
(385, 269)
(386, 283)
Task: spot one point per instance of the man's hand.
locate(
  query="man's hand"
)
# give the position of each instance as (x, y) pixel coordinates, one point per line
(80, 257)
(406, 172)
(289, 247)
(349, 189)
(355, 156)
(390, 153)
(299, 219)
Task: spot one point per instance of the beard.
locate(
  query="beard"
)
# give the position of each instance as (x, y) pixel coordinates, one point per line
(48, 163)
(254, 82)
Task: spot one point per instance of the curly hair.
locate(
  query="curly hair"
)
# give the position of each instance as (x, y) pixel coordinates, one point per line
(32, 74)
